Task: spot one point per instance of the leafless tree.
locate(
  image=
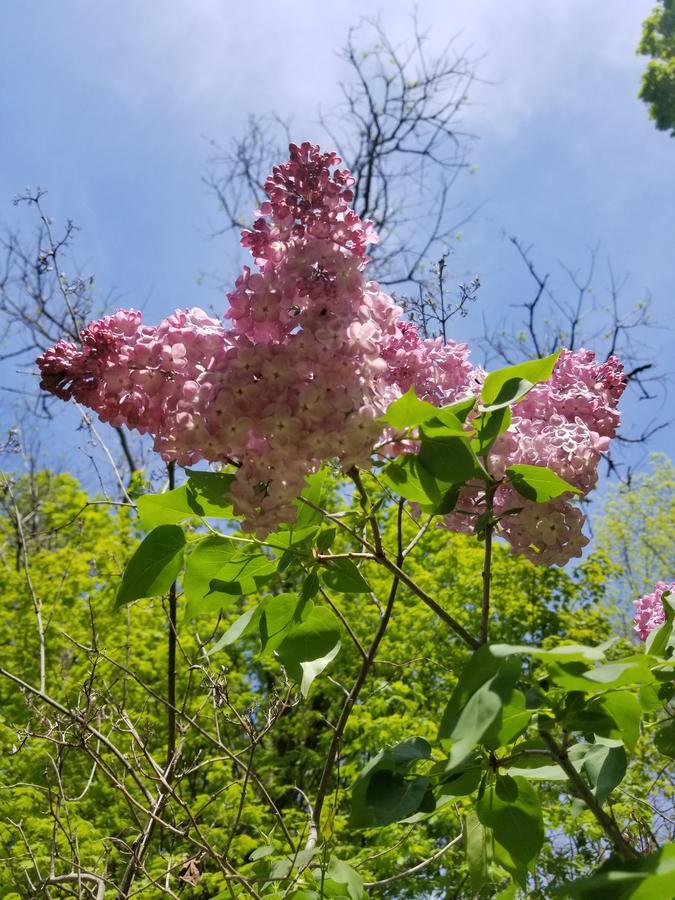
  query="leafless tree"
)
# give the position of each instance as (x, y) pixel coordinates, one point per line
(585, 313)
(41, 304)
(398, 128)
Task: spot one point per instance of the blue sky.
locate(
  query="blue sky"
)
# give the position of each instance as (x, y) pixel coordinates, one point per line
(110, 106)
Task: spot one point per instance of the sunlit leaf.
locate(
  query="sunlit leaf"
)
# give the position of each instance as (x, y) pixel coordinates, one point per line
(306, 515)
(478, 842)
(451, 460)
(605, 765)
(563, 652)
(219, 568)
(488, 426)
(510, 807)
(465, 722)
(154, 565)
(538, 483)
(168, 508)
(208, 493)
(508, 385)
(408, 411)
(309, 646)
(409, 478)
(343, 575)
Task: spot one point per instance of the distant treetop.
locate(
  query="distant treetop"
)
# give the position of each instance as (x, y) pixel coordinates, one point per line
(658, 80)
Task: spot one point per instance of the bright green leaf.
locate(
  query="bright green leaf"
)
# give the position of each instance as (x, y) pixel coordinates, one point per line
(574, 676)
(154, 565)
(508, 385)
(408, 478)
(624, 708)
(538, 483)
(563, 652)
(309, 646)
(483, 708)
(208, 493)
(510, 807)
(661, 641)
(460, 409)
(278, 612)
(664, 739)
(605, 765)
(488, 426)
(480, 667)
(290, 537)
(512, 720)
(443, 427)
(168, 508)
(478, 841)
(341, 880)
(451, 460)
(219, 568)
(408, 411)
(306, 515)
(245, 624)
(343, 575)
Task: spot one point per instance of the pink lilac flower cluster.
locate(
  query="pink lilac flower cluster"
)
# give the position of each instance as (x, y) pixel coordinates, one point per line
(565, 424)
(309, 355)
(306, 360)
(649, 611)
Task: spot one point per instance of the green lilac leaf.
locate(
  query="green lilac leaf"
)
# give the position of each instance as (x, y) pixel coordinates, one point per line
(464, 726)
(488, 426)
(538, 483)
(154, 565)
(409, 478)
(574, 676)
(478, 842)
(662, 640)
(508, 385)
(511, 808)
(395, 797)
(343, 575)
(605, 766)
(168, 508)
(313, 492)
(375, 809)
(340, 876)
(245, 624)
(208, 493)
(219, 568)
(562, 653)
(664, 739)
(408, 411)
(451, 460)
(309, 646)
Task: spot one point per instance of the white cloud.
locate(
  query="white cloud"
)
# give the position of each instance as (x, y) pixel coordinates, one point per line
(210, 59)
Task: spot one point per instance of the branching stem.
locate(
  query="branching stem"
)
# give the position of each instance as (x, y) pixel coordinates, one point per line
(487, 566)
(583, 792)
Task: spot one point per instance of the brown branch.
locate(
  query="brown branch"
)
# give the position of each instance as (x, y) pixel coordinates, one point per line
(581, 789)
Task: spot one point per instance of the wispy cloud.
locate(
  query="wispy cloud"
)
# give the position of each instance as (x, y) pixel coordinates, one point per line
(210, 59)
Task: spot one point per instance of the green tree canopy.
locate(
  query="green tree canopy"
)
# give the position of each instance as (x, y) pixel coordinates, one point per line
(658, 80)
(116, 656)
